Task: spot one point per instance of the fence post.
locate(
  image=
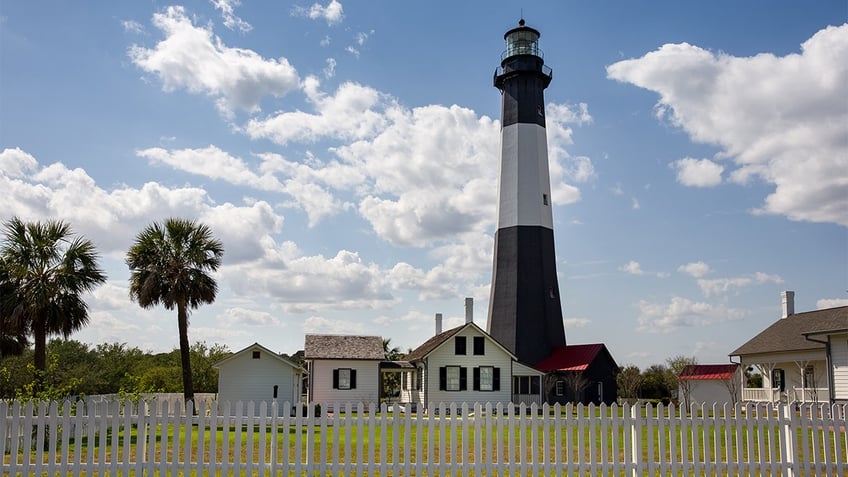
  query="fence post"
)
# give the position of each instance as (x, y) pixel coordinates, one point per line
(635, 439)
(787, 443)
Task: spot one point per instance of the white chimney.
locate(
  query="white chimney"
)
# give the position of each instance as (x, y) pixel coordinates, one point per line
(469, 310)
(788, 300)
(438, 323)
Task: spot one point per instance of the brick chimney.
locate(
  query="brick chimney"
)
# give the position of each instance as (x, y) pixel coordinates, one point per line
(788, 301)
(438, 323)
(469, 310)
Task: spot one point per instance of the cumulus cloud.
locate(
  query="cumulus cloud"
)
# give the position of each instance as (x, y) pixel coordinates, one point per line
(333, 13)
(680, 313)
(16, 163)
(696, 269)
(721, 286)
(778, 119)
(191, 57)
(697, 172)
(321, 325)
(632, 268)
(231, 21)
(831, 303)
(237, 316)
(576, 322)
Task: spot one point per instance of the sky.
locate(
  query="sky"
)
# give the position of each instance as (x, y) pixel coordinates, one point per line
(346, 154)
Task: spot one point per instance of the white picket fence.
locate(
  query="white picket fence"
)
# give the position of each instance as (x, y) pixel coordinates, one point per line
(121, 439)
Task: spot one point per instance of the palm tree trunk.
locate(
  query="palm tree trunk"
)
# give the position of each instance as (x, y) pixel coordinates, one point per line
(39, 335)
(185, 353)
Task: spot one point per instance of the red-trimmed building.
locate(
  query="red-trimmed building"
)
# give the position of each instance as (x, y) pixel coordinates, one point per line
(580, 373)
(709, 384)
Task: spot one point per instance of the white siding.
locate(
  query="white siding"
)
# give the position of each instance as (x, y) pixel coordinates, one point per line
(709, 391)
(367, 389)
(494, 356)
(243, 378)
(839, 356)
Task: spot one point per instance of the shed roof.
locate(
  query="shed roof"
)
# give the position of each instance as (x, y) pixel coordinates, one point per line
(787, 334)
(570, 358)
(708, 371)
(343, 347)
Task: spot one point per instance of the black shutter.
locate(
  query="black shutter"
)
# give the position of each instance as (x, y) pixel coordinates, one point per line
(463, 379)
(496, 379)
(476, 385)
(352, 379)
(443, 378)
(459, 345)
(335, 379)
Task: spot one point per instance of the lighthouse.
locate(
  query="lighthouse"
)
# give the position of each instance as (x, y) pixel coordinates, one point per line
(525, 312)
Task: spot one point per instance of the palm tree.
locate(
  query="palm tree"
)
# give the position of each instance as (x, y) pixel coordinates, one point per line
(44, 272)
(170, 265)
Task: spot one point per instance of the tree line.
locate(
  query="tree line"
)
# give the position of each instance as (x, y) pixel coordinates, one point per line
(76, 369)
(46, 270)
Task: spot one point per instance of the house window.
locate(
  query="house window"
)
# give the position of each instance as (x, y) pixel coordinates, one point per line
(453, 378)
(521, 384)
(535, 384)
(459, 345)
(560, 388)
(452, 383)
(344, 378)
(256, 355)
(487, 378)
(479, 346)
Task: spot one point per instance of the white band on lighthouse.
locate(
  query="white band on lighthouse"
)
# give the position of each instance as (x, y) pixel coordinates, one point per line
(524, 187)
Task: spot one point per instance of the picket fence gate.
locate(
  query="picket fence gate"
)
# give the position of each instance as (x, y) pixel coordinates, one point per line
(152, 438)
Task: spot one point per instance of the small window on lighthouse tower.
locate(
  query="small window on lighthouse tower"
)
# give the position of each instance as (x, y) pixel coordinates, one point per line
(545, 199)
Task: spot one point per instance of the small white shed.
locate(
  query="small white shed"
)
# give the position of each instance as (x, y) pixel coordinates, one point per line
(343, 369)
(258, 374)
(709, 384)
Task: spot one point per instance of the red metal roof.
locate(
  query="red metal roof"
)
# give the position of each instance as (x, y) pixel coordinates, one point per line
(570, 358)
(708, 371)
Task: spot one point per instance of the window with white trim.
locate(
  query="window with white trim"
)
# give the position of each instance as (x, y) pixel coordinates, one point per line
(560, 388)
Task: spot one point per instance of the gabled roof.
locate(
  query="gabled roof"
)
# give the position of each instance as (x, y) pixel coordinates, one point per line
(343, 347)
(570, 358)
(787, 334)
(433, 343)
(259, 347)
(708, 371)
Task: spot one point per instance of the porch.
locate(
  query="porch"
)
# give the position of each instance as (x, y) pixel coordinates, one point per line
(795, 394)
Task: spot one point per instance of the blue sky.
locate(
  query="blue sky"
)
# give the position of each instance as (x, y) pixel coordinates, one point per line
(346, 153)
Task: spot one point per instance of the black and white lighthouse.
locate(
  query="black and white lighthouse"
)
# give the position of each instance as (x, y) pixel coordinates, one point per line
(525, 312)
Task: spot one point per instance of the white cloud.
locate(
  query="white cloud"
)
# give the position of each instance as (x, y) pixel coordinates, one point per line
(231, 21)
(333, 13)
(330, 69)
(237, 316)
(696, 269)
(632, 268)
(831, 303)
(16, 163)
(191, 57)
(214, 163)
(576, 322)
(698, 172)
(321, 325)
(779, 119)
(132, 26)
(721, 286)
(564, 168)
(681, 312)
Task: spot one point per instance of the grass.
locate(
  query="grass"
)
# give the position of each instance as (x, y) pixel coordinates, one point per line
(440, 440)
